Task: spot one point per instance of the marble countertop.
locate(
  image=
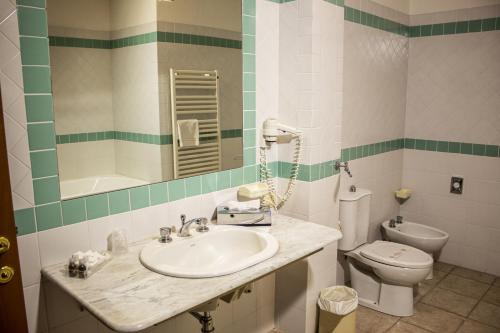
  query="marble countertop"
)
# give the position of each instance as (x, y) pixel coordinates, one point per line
(128, 297)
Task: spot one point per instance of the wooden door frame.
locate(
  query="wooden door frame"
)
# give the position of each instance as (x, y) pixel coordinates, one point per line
(12, 308)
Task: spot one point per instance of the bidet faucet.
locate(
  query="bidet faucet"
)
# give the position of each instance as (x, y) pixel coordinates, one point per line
(344, 165)
(184, 230)
(399, 219)
(392, 223)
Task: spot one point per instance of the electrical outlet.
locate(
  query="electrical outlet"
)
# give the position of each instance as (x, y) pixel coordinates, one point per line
(457, 185)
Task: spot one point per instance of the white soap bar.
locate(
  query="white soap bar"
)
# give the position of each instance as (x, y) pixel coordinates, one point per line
(253, 191)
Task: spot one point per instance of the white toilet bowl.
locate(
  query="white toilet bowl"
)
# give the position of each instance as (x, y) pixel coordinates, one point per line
(384, 273)
(421, 236)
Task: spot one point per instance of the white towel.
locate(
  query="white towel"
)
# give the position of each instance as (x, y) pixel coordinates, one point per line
(188, 132)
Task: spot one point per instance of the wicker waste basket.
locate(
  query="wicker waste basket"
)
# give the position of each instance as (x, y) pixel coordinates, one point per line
(337, 310)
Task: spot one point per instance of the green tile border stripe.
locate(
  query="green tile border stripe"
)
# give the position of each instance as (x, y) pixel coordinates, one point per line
(464, 148)
(307, 173)
(231, 133)
(354, 153)
(53, 212)
(446, 28)
(149, 37)
(163, 139)
(364, 18)
(325, 169)
(453, 28)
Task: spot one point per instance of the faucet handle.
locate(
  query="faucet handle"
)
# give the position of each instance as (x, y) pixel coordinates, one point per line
(183, 219)
(392, 223)
(399, 219)
(165, 233)
(202, 224)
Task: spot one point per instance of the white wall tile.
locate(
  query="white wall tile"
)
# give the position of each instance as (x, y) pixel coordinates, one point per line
(86, 159)
(448, 76)
(36, 314)
(375, 75)
(13, 108)
(82, 89)
(99, 229)
(471, 219)
(29, 257)
(56, 245)
(146, 222)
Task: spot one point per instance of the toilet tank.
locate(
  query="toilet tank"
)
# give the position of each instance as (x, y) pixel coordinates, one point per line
(354, 218)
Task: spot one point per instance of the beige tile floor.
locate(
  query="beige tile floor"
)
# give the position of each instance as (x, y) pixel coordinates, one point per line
(455, 300)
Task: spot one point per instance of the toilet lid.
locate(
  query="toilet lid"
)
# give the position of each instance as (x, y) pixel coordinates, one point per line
(395, 254)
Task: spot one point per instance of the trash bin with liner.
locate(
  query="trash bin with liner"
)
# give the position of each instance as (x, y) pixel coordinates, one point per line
(337, 310)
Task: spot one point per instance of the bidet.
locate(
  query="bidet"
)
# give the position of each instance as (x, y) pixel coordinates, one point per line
(423, 237)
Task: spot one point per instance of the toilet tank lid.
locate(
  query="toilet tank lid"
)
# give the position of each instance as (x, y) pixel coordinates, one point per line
(353, 196)
(396, 254)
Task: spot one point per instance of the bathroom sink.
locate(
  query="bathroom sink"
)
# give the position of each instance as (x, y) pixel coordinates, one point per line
(221, 251)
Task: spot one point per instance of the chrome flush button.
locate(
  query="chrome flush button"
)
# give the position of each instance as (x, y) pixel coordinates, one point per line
(457, 184)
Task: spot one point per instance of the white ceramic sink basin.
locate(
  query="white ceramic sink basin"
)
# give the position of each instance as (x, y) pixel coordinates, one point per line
(221, 251)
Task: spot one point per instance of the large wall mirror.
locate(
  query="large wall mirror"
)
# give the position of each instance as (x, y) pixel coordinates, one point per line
(144, 90)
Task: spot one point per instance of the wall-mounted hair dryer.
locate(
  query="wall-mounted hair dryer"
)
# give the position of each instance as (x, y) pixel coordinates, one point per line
(272, 129)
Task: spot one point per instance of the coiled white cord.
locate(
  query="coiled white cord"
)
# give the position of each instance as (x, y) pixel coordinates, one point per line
(275, 200)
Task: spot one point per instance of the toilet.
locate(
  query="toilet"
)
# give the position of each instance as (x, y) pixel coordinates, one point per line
(383, 273)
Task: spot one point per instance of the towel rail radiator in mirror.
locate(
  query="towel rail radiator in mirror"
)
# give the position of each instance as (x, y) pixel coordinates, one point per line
(194, 94)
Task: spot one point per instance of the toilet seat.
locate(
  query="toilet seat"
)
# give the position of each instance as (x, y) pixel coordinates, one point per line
(395, 254)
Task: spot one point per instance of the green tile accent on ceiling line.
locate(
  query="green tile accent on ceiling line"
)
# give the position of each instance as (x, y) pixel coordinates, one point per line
(149, 37)
(452, 28)
(358, 16)
(445, 28)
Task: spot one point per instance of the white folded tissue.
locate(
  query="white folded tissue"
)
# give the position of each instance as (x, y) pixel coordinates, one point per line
(242, 205)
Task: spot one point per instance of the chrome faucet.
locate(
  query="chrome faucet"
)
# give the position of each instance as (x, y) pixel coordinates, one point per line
(392, 223)
(184, 230)
(344, 165)
(399, 219)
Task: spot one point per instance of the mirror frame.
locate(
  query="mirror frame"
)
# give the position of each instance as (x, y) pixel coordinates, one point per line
(49, 210)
